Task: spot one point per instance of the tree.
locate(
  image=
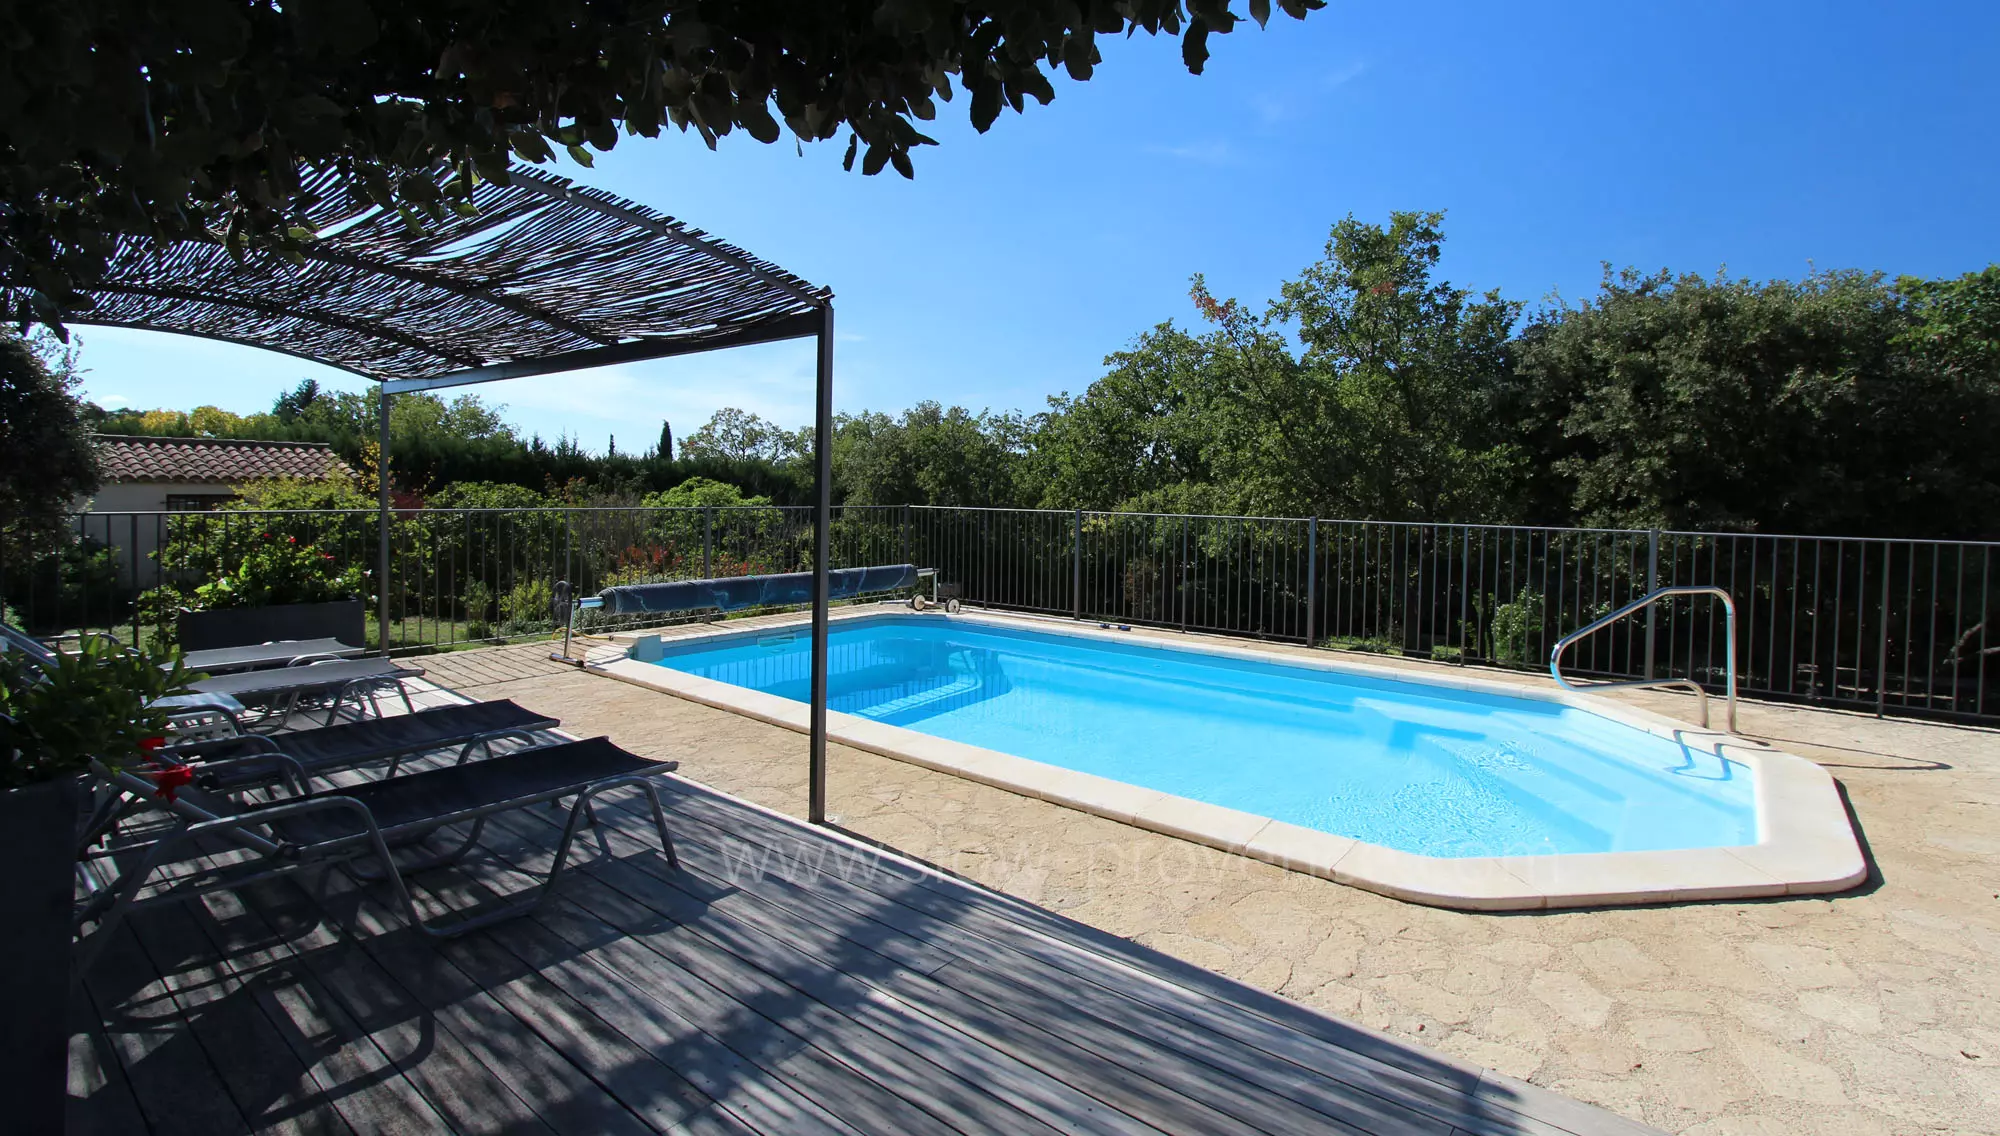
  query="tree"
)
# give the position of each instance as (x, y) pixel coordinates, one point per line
(666, 450)
(734, 435)
(296, 402)
(46, 458)
(930, 456)
(1412, 366)
(1387, 412)
(1781, 406)
(179, 118)
(1144, 427)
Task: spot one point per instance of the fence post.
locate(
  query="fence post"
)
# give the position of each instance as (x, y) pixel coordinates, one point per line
(134, 555)
(569, 550)
(707, 541)
(1076, 566)
(1882, 648)
(1652, 585)
(1312, 575)
(906, 535)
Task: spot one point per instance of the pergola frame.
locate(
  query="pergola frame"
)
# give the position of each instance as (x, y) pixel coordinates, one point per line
(545, 277)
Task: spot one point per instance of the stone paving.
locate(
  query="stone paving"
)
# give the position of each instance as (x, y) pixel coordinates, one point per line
(1877, 1011)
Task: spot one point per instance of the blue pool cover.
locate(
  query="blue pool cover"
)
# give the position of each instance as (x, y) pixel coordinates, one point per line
(737, 592)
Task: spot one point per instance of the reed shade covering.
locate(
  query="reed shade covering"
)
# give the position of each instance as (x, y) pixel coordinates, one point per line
(543, 276)
(545, 268)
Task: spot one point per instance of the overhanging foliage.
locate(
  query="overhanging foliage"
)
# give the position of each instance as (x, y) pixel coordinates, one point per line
(170, 119)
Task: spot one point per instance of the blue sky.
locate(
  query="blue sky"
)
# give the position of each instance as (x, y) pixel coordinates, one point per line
(1762, 136)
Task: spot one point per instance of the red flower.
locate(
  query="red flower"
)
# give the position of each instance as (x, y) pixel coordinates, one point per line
(170, 778)
(148, 746)
(291, 540)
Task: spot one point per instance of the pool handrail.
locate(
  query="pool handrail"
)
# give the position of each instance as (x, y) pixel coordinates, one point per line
(1643, 602)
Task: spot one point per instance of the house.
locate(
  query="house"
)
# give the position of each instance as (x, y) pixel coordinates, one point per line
(145, 477)
(175, 475)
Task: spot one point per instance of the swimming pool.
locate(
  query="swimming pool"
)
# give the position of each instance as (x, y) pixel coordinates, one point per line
(1426, 770)
(1443, 789)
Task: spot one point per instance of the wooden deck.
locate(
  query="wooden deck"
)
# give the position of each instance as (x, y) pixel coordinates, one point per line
(785, 979)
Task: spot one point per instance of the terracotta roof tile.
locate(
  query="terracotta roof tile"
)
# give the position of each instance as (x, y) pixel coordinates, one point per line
(220, 461)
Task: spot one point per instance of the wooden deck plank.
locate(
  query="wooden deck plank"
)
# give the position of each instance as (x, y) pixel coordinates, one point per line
(765, 1102)
(1358, 1094)
(101, 1102)
(256, 1060)
(1230, 1053)
(653, 1090)
(562, 1096)
(970, 1086)
(466, 1094)
(1081, 1067)
(1380, 1065)
(788, 1057)
(1160, 1086)
(177, 1089)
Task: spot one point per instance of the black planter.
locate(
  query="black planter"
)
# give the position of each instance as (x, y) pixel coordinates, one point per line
(37, 882)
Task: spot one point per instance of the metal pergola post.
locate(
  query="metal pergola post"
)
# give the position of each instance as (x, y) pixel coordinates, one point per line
(822, 546)
(382, 529)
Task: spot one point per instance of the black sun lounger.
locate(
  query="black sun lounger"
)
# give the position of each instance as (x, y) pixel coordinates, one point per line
(359, 827)
(344, 679)
(349, 744)
(280, 653)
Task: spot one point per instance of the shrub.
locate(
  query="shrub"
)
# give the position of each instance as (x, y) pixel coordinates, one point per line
(1517, 626)
(96, 703)
(528, 606)
(74, 586)
(1374, 645)
(476, 601)
(258, 570)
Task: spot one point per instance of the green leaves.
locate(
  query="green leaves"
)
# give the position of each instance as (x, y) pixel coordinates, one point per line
(93, 703)
(230, 104)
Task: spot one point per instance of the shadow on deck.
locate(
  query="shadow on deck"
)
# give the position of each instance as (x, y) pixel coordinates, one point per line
(784, 979)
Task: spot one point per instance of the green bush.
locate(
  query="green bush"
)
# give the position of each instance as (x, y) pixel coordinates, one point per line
(1374, 645)
(1517, 627)
(96, 703)
(476, 601)
(74, 586)
(260, 569)
(528, 606)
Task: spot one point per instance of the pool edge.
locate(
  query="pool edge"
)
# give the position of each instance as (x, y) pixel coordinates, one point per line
(1808, 847)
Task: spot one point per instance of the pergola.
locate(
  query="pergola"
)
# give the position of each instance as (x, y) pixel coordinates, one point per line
(543, 276)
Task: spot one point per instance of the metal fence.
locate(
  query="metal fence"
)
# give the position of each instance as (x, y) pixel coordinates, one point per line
(1885, 625)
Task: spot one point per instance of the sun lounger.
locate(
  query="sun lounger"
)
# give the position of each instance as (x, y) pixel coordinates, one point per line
(362, 826)
(344, 679)
(328, 749)
(278, 653)
(182, 709)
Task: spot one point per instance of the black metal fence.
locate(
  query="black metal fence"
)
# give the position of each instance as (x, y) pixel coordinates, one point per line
(1886, 625)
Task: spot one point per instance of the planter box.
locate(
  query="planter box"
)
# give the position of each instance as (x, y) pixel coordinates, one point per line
(37, 885)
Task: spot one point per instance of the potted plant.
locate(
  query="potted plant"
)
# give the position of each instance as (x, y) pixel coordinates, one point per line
(55, 716)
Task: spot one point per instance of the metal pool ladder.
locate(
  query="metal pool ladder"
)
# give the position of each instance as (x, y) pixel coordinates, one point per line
(1640, 604)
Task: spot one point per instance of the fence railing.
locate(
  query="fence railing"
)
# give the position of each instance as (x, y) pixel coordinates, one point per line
(1884, 625)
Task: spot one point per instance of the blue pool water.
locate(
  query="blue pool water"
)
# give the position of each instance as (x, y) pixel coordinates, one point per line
(1423, 768)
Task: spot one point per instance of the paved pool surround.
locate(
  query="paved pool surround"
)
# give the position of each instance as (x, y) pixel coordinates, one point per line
(1807, 845)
